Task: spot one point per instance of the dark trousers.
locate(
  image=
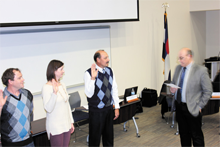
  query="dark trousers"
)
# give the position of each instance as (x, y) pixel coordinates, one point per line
(101, 125)
(190, 127)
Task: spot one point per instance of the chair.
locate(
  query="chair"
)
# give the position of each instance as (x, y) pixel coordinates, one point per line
(167, 103)
(162, 99)
(79, 115)
(172, 111)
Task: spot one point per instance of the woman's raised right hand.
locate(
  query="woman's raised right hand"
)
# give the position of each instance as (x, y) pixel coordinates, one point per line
(55, 86)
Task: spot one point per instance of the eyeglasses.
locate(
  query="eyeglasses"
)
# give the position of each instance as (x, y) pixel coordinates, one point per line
(180, 58)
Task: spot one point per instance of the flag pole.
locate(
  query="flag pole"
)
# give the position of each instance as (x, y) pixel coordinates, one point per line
(165, 6)
(165, 52)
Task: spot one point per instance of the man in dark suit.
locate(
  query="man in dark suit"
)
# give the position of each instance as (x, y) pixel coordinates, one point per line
(195, 91)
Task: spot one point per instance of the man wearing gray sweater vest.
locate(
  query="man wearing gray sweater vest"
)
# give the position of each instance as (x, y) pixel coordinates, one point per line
(16, 109)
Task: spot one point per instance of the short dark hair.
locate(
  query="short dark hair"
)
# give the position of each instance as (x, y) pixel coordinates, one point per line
(189, 52)
(9, 75)
(97, 55)
(52, 67)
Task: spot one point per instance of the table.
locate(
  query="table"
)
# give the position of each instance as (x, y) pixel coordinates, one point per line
(127, 112)
(211, 107)
(39, 133)
(127, 109)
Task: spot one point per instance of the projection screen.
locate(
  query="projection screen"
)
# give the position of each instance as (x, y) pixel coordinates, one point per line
(52, 12)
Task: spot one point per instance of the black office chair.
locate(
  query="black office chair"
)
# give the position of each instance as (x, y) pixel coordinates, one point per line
(79, 115)
(167, 104)
(162, 99)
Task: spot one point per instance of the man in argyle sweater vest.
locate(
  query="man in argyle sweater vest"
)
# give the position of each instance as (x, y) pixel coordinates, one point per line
(102, 93)
(102, 97)
(16, 110)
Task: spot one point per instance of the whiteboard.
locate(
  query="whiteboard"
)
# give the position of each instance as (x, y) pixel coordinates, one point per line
(32, 50)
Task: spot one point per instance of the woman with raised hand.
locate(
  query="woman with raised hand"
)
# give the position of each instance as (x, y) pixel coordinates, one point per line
(59, 120)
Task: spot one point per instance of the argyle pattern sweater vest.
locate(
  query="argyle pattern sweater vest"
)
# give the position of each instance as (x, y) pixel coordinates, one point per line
(16, 118)
(102, 97)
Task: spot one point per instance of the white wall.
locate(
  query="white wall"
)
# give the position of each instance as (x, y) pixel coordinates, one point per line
(136, 47)
(206, 25)
(212, 33)
(198, 34)
(204, 5)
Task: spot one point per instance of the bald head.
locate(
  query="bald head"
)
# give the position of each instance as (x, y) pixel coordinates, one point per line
(97, 55)
(187, 51)
(185, 57)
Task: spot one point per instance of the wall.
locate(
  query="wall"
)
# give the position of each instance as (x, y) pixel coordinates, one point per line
(198, 34)
(136, 47)
(212, 33)
(204, 5)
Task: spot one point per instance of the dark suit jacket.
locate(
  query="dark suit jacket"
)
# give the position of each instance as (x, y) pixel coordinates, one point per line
(198, 88)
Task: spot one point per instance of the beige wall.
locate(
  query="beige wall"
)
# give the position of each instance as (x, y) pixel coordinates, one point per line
(198, 34)
(136, 47)
(212, 33)
(204, 5)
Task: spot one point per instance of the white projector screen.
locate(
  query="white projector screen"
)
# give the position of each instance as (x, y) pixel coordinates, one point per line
(47, 12)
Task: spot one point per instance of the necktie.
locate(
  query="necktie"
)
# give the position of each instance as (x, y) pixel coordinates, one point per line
(179, 92)
(103, 71)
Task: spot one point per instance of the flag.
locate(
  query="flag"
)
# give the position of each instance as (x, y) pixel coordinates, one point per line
(165, 53)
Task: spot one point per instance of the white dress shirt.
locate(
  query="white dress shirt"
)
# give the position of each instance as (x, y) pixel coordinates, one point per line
(90, 87)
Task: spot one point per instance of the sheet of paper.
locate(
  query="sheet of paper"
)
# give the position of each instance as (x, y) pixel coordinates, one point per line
(86, 107)
(121, 100)
(131, 97)
(172, 85)
(216, 94)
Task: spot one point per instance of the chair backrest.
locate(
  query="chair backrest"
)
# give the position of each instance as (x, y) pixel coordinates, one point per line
(74, 100)
(83, 97)
(163, 89)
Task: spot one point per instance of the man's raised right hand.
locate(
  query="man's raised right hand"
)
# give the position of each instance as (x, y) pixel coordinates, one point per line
(2, 100)
(94, 71)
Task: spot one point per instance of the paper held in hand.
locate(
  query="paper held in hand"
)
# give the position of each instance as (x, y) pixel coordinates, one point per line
(172, 85)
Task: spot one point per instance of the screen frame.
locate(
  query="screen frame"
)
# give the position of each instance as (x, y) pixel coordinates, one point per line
(128, 92)
(69, 22)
